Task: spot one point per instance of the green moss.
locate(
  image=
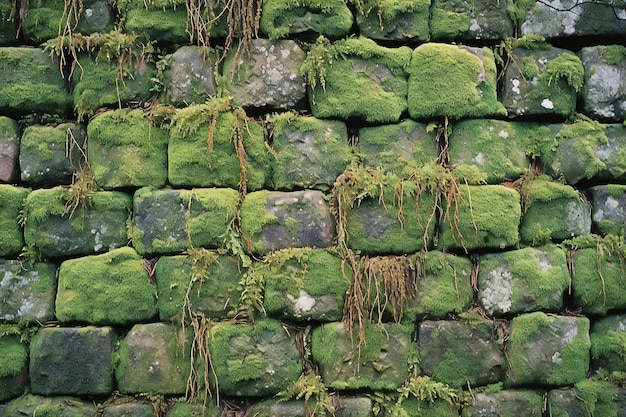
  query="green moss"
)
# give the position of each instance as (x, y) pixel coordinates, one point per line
(156, 20)
(447, 24)
(599, 397)
(612, 54)
(14, 355)
(529, 67)
(398, 19)
(11, 201)
(566, 66)
(254, 215)
(517, 10)
(39, 406)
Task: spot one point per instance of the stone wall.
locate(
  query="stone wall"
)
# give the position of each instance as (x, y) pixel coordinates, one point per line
(374, 208)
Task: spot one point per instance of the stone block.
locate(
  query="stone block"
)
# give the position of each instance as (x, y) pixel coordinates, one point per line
(508, 403)
(444, 353)
(35, 405)
(403, 21)
(548, 350)
(59, 225)
(190, 78)
(27, 291)
(347, 407)
(608, 343)
(202, 151)
(482, 217)
(13, 368)
(310, 153)
(9, 149)
(542, 80)
(452, 81)
(366, 82)
(153, 359)
(274, 220)
(211, 283)
(607, 209)
(50, 155)
(172, 221)
(309, 18)
(129, 410)
(165, 23)
(72, 360)
(523, 280)
(304, 284)
(604, 92)
(380, 363)
(470, 21)
(496, 148)
(598, 398)
(32, 82)
(183, 408)
(253, 360)
(112, 288)
(11, 202)
(266, 77)
(126, 150)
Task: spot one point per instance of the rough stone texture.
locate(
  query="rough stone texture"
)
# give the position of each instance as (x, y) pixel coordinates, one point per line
(9, 149)
(74, 361)
(190, 78)
(465, 20)
(608, 213)
(13, 368)
(171, 221)
(604, 93)
(127, 150)
(542, 80)
(510, 403)
(444, 353)
(11, 237)
(164, 22)
(523, 280)
(379, 364)
(153, 358)
(598, 398)
(129, 410)
(50, 155)
(405, 20)
(348, 407)
(53, 227)
(613, 154)
(548, 350)
(253, 360)
(182, 408)
(34, 405)
(27, 291)
(268, 77)
(608, 348)
(310, 153)
(276, 220)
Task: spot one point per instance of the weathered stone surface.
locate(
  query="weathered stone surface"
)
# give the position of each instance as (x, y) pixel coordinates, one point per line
(276, 220)
(608, 343)
(164, 22)
(9, 149)
(608, 213)
(33, 405)
(464, 20)
(444, 353)
(268, 77)
(510, 403)
(310, 153)
(453, 81)
(55, 225)
(304, 284)
(553, 211)
(27, 291)
(548, 350)
(604, 92)
(112, 288)
(348, 407)
(171, 221)
(72, 360)
(366, 82)
(379, 364)
(488, 217)
(50, 155)
(32, 82)
(282, 18)
(126, 150)
(542, 80)
(524, 280)
(253, 360)
(129, 410)
(211, 282)
(153, 359)
(13, 368)
(405, 20)
(11, 236)
(598, 398)
(182, 408)
(190, 78)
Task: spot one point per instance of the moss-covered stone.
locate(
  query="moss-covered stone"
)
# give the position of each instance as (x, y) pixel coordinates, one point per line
(9, 148)
(607, 209)
(348, 407)
(112, 288)
(132, 409)
(253, 360)
(404, 20)
(126, 150)
(605, 67)
(163, 21)
(508, 403)
(171, 221)
(27, 291)
(310, 153)
(523, 280)
(14, 362)
(548, 350)
(381, 363)
(183, 408)
(35, 405)
(153, 359)
(596, 398)
(32, 82)
(608, 344)
(54, 227)
(72, 360)
(460, 19)
(486, 216)
(452, 81)
(11, 236)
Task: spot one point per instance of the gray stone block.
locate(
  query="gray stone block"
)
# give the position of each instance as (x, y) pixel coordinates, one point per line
(190, 78)
(509, 403)
(27, 291)
(604, 93)
(470, 21)
(607, 208)
(9, 149)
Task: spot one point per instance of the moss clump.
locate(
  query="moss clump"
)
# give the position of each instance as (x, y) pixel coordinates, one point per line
(608, 344)
(385, 19)
(613, 54)
(447, 24)
(11, 201)
(164, 21)
(599, 397)
(14, 355)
